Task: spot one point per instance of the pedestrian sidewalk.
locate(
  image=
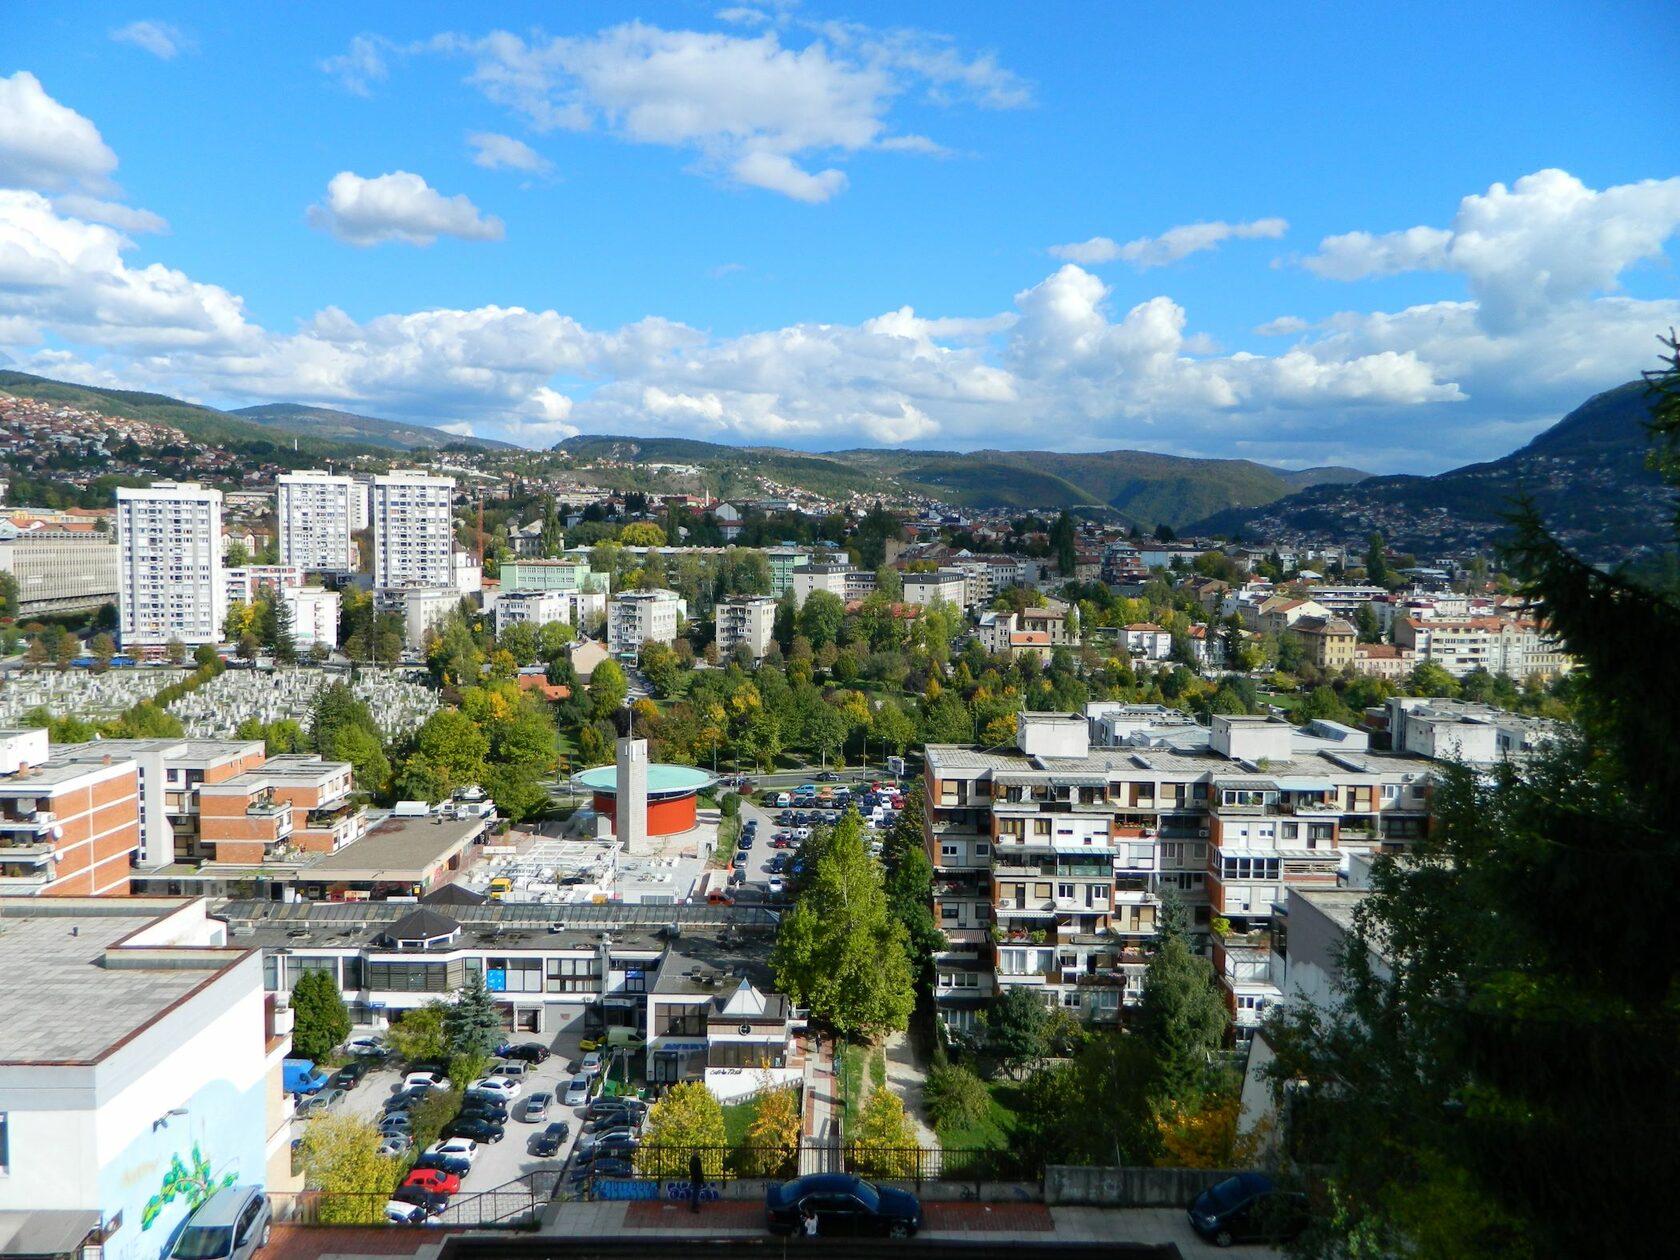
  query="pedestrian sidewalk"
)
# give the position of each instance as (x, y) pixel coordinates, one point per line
(820, 1150)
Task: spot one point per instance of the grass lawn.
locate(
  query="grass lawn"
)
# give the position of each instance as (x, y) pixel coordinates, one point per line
(996, 1131)
(854, 1078)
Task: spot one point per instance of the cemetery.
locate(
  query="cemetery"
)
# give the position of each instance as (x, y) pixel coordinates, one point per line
(398, 702)
(80, 692)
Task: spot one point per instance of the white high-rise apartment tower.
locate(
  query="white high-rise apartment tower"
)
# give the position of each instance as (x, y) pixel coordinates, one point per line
(413, 530)
(315, 513)
(169, 565)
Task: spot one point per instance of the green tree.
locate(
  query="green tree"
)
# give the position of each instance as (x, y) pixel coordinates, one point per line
(1365, 621)
(370, 767)
(175, 652)
(104, 650)
(1428, 678)
(956, 1098)
(520, 641)
(1063, 546)
(339, 1154)
(449, 752)
(320, 1020)
(472, 1025)
(840, 952)
(1183, 1017)
(1504, 1078)
(607, 689)
(687, 1120)
(664, 672)
(1096, 1109)
(1015, 1028)
(910, 888)
(821, 617)
(419, 1035)
(1376, 561)
(205, 656)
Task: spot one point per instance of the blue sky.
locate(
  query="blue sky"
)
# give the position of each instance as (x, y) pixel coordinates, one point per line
(1400, 238)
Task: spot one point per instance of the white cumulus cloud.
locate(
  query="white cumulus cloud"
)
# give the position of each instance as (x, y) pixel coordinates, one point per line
(398, 206)
(1172, 245)
(46, 145)
(1545, 241)
(498, 152)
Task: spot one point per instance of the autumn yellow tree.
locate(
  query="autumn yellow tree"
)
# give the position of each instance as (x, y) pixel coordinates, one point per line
(885, 1143)
(1207, 1136)
(773, 1138)
(340, 1159)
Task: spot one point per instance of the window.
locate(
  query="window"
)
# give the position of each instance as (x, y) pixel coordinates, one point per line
(950, 851)
(5, 1143)
(982, 850)
(948, 913)
(682, 1021)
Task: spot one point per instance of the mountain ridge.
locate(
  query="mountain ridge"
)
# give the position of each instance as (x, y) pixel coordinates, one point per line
(1140, 487)
(352, 426)
(1586, 475)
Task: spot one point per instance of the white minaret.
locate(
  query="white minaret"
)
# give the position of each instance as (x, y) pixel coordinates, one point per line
(169, 565)
(631, 804)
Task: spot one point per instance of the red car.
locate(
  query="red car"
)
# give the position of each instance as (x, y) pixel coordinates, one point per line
(433, 1179)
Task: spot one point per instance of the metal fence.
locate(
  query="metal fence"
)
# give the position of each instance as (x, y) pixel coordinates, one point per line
(917, 1164)
(931, 1163)
(506, 1206)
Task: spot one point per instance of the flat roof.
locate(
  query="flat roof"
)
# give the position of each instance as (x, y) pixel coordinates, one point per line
(398, 848)
(60, 1002)
(661, 778)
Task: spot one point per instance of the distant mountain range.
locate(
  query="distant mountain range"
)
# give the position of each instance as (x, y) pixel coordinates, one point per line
(350, 427)
(1137, 487)
(319, 430)
(1586, 474)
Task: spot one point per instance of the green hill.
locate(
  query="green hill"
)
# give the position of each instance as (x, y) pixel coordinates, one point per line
(202, 424)
(1136, 486)
(1586, 474)
(295, 418)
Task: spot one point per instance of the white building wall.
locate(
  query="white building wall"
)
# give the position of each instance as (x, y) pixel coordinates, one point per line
(413, 530)
(315, 513)
(169, 577)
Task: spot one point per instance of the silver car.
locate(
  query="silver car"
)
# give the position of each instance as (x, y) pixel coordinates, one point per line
(232, 1224)
(536, 1107)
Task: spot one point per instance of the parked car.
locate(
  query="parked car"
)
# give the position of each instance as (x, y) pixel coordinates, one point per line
(425, 1080)
(496, 1087)
(373, 1047)
(603, 1168)
(321, 1103)
(479, 1129)
(481, 1108)
(232, 1224)
(1248, 1208)
(464, 1148)
(528, 1051)
(350, 1075)
(577, 1092)
(740, 859)
(587, 1142)
(434, 1179)
(828, 776)
(591, 1063)
(513, 1069)
(403, 1099)
(778, 886)
(845, 1206)
(547, 1144)
(397, 1122)
(460, 1165)
(300, 1076)
(777, 864)
(395, 1145)
(536, 1107)
(611, 1106)
(401, 1212)
(428, 1201)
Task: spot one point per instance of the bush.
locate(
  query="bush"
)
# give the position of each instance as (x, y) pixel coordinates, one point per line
(956, 1098)
(730, 805)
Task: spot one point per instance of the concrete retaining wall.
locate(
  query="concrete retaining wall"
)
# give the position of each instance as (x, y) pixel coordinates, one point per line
(1127, 1187)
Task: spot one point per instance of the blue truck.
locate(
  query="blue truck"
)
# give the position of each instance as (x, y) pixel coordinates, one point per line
(302, 1077)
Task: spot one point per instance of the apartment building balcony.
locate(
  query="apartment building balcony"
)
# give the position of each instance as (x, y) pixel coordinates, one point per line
(16, 846)
(17, 821)
(24, 876)
(1024, 908)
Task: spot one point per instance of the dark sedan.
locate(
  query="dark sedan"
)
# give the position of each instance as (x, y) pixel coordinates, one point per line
(473, 1127)
(1248, 1208)
(602, 1168)
(460, 1165)
(844, 1206)
(430, 1201)
(350, 1075)
(547, 1144)
(526, 1052)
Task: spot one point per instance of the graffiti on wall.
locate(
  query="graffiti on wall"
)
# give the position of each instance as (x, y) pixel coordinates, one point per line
(192, 1183)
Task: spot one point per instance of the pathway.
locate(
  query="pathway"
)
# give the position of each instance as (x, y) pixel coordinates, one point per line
(909, 1082)
(820, 1149)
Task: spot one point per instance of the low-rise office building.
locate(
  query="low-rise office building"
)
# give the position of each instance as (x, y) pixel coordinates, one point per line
(67, 828)
(945, 586)
(828, 576)
(59, 567)
(140, 1070)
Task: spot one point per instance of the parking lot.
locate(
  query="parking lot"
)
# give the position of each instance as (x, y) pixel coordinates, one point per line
(762, 851)
(501, 1162)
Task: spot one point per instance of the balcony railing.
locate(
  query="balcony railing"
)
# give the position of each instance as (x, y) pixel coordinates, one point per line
(11, 850)
(34, 820)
